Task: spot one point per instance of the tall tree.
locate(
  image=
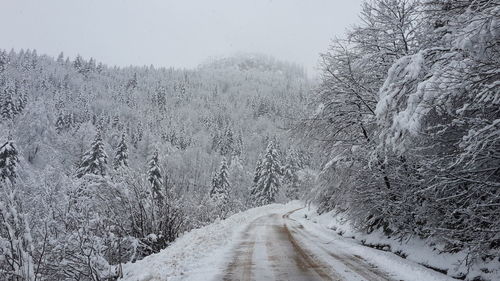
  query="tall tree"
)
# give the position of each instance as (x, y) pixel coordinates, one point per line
(8, 108)
(267, 182)
(8, 161)
(290, 175)
(17, 248)
(3, 60)
(220, 184)
(60, 58)
(95, 160)
(121, 155)
(154, 176)
(60, 124)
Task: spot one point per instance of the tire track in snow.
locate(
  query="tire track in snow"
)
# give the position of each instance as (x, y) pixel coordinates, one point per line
(269, 252)
(276, 247)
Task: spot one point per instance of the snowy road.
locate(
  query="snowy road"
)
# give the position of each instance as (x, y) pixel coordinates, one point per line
(273, 242)
(277, 247)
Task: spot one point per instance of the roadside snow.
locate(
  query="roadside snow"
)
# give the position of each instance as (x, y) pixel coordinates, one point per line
(201, 253)
(336, 230)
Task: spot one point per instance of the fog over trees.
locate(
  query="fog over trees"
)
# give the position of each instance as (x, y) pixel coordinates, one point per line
(101, 166)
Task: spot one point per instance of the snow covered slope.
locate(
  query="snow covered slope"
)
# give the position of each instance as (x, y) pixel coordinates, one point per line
(334, 226)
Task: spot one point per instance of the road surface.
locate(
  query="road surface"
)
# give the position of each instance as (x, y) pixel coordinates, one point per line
(276, 247)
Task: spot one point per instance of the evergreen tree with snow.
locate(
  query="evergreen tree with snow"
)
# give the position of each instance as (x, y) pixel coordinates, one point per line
(8, 161)
(226, 143)
(3, 61)
(256, 176)
(290, 175)
(267, 179)
(258, 168)
(94, 161)
(8, 109)
(22, 100)
(60, 124)
(78, 63)
(60, 58)
(220, 184)
(121, 156)
(154, 176)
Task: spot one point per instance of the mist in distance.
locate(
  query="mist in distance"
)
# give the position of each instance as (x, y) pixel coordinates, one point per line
(179, 34)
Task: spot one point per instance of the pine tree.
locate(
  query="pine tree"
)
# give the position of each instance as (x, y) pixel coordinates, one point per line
(226, 142)
(3, 61)
(78, 63)
(121, 156)
(94, 161)
(238, 145)
(154, 176)
(290, 175)
(99, 67)
(22, 100)
(132, 83)
(34, 59)
(267, 178)
(220, 184)
(8, 161)
(91, 65)
(116, 121)
(258, 168)
(69, 120)
(8, 109)
(60, 124)
(60, 58)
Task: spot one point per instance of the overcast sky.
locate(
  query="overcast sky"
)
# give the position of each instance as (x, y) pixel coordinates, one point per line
(180, 33)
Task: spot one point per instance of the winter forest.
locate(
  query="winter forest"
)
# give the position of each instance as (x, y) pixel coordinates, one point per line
(101, 166)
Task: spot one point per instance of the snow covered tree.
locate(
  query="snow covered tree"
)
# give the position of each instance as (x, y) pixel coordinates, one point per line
(95, 160)
(154, 176)
(60, 124)
(8, 161)
(291, 179)
(60, 58)
(258, 168)
(21, 102)
(407, 120)
(8, 108)
(16, 241)
(441, 106)
(345, 121)
(121, 156)
(3, 60)
(268, 179)
(226, 144)
(220, 185)
(132, 83)
(79, 64)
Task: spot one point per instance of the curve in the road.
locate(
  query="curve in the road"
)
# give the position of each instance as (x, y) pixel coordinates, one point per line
(276, 247)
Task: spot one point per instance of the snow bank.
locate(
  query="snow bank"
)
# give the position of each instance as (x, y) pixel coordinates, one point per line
(413, 249)
(201, 253)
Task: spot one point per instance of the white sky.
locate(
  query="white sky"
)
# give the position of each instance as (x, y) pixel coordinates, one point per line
(180, 33)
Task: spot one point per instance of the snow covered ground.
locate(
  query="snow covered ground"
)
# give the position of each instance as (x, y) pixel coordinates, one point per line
(278, 242)
(415, 250)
